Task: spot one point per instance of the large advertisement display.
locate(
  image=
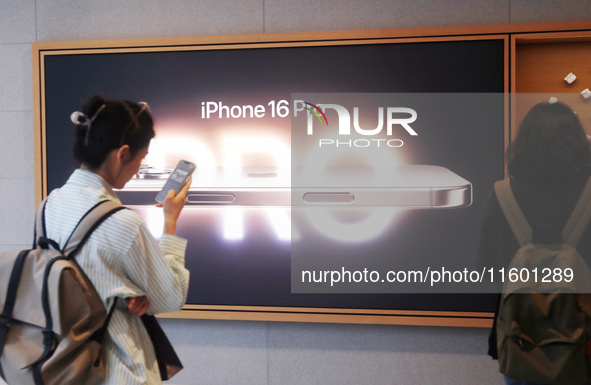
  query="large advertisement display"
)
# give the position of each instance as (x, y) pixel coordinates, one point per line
(310, 158)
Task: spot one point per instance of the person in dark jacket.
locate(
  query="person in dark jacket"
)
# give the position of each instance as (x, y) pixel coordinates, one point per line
(549, 164)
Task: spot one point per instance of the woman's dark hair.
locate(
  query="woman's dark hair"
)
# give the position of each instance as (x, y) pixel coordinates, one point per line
(551, 146)
(113, 123)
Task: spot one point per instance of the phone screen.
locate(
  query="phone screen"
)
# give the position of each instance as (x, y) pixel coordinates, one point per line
(177, 179)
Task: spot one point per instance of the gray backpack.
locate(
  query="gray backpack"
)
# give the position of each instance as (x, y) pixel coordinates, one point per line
(53, 321)
(544, 324)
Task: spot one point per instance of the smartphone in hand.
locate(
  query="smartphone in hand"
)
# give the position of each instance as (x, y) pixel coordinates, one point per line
(177, 179)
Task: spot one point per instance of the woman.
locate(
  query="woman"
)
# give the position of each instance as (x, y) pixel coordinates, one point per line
(549, 164)
(121, 258)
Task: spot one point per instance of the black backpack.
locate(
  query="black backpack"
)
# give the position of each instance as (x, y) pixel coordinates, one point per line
(544, 325)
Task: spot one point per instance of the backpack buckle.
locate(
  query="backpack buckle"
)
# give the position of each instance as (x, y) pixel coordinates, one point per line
(4, 321)
(48, 338)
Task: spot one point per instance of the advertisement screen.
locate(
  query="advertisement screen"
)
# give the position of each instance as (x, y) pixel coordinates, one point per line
(308, 158)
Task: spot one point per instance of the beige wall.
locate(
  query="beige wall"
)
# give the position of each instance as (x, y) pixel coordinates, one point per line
(257, 353)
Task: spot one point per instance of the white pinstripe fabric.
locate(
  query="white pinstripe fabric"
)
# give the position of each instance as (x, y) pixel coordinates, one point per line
(122, 259)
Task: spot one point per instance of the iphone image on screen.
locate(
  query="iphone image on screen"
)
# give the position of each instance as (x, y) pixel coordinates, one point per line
(405, 186)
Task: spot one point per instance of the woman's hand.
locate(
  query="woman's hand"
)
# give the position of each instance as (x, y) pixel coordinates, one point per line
(173, 204)
(137, 306)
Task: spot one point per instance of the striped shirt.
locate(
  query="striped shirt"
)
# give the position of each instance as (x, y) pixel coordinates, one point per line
(122, 259)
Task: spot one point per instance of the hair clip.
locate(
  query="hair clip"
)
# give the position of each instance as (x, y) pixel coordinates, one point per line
(80, 118)
(144, 107)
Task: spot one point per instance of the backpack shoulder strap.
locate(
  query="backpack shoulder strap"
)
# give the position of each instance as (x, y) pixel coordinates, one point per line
(88, 223)
(512, 211)
(574, 228)
(39, 230)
